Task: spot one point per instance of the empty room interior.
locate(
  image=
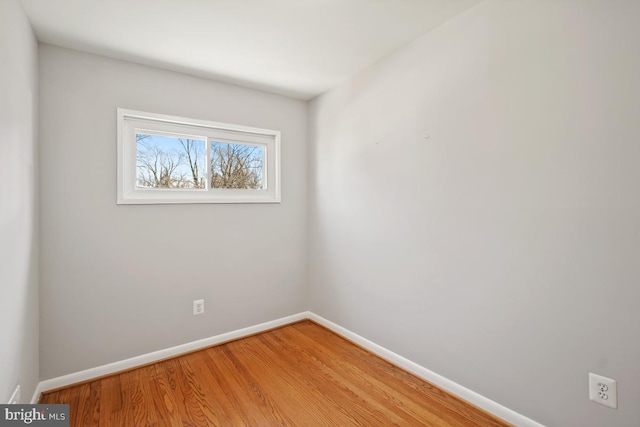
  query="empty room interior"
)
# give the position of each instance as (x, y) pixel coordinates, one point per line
(444, 190)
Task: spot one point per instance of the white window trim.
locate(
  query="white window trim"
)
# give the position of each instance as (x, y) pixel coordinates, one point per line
(127, 193)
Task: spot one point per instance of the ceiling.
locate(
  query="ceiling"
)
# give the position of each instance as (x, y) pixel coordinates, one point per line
(298, 48)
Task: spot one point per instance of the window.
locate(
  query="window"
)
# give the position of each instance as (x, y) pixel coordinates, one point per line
(166, 159)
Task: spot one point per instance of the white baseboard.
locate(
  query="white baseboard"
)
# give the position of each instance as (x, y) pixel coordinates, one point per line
(452, 387)
(15, 396)
(132, 362)
(420, 371)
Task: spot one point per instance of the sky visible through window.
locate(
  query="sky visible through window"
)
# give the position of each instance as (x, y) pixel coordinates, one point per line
(172, 162)
(169, 162)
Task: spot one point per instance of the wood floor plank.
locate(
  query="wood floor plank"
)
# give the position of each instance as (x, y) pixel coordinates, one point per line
(110, 401)
(147, 412)
(163, 400)
(71, 397)
(185, 403)
(222, 405)
(297, 375)
(209, 411)
(89, 404)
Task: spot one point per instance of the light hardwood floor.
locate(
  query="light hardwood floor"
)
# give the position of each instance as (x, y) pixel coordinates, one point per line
(297, 375)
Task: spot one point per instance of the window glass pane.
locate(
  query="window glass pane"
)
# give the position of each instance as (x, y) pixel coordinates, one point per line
(169, 162)
(237, 166)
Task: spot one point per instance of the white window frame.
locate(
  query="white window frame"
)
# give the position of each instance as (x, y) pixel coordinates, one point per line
(130, 122)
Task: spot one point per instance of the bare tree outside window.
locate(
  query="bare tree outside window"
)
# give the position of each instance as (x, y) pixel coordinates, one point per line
(236, 166)
(169, 162)
(178, 163)
(194, 153)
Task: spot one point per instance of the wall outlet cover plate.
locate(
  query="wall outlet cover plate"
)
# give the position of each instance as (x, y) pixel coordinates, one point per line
(603, 390)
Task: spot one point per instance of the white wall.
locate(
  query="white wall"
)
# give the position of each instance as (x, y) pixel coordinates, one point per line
(18, 193)
(503, 252)
(119, 281)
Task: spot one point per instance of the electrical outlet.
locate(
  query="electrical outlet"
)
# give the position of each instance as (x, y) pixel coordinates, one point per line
(198, 307)
(603, 390)
(15, 397)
